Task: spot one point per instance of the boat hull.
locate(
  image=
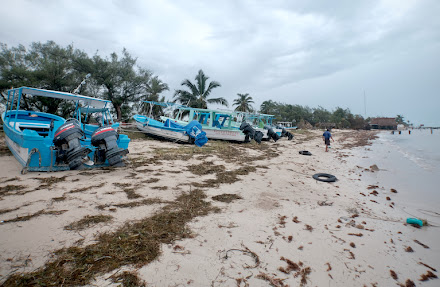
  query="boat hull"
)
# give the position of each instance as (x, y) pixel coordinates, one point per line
(224, 134)
(35, 150)
(161, 132)
(232, 134)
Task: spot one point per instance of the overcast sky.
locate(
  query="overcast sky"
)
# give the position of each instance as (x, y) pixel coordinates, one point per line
(313, 53)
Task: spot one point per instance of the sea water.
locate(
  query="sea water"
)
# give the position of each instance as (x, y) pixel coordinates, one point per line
(410, 163)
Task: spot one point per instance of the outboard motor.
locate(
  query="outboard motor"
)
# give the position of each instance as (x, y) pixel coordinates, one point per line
(250, 132)
(271, 134)
(67, 142)
(285, 133)
(105, 141)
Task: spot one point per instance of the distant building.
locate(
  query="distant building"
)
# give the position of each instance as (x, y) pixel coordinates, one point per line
(383, 123)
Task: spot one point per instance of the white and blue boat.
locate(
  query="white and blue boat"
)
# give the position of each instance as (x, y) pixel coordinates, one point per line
(170, 130)
(46, 142)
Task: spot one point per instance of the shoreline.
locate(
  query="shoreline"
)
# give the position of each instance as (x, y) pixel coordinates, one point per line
(281, 227)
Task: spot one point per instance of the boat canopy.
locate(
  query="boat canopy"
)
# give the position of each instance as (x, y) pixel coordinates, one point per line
(164, 104)
(87, 101)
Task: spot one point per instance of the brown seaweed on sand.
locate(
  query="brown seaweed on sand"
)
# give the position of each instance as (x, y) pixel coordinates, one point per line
(408, 283)
(308, 227)
(426, 265)
(420, 243)
(248, 252)
(30, 216)
(47, 182)
(409, 249)
(329, 267)
(276, 282)
(295, 219)
(88, 221)
(135, 243)
(127, 278)
(427, 276)
(393, 274)
(226, 197)
(356, 234)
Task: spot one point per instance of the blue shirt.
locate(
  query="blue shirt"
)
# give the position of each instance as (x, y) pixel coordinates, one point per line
(327, 135)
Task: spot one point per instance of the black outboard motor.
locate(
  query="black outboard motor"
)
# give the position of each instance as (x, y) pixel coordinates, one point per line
(250, 132)
(285, 133)
(271, 134)
(67, 142)
(105, 141)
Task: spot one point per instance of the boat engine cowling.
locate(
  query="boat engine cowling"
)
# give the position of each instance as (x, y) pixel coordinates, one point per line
(271, 134)
(250, 132)
(67, 142)
(285, 133)
(105, 141)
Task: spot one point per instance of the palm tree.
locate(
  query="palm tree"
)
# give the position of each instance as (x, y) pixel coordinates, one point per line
(243, 103)
(154, 87)
(197, 96)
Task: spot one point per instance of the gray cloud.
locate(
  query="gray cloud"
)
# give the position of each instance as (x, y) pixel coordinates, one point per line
(298, 52)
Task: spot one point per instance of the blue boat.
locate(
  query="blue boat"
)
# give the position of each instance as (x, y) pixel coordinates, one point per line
(46, 142)
(170, 130)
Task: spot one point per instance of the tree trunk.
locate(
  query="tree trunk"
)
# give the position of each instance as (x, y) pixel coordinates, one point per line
(118, 112)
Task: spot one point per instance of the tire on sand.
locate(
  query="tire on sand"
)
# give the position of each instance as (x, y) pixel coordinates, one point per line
(325, 177)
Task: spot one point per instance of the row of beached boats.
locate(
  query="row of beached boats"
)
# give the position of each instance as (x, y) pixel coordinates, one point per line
(46, 142)
(186, 124)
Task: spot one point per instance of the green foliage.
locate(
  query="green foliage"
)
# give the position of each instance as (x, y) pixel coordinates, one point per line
(121, 80)
(340, 118)
(197, 96)
(46, 66)
(400, 120)
(243, 103)
(50, 66)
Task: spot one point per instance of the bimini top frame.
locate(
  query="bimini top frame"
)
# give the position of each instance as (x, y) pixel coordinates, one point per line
(14, 97)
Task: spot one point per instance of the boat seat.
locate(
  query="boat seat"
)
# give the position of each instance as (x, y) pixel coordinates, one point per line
(40, 128)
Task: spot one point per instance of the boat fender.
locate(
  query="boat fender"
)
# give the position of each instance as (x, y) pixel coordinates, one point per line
(325, 177)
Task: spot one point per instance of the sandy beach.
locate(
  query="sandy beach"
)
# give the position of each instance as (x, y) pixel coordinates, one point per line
(221, 215)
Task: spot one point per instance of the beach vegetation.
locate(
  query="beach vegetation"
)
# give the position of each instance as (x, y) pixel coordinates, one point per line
(88, 221)
(197, 95)
(226, 197)
(135, 243)
(317, 117)
(33, 215)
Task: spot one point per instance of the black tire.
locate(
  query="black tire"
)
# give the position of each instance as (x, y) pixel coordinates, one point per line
(325, 177)
(305, 152)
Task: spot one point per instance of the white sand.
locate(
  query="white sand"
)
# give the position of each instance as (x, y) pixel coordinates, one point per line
(260, 222)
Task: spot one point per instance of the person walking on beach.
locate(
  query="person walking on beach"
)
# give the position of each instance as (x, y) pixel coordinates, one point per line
(327, 136)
